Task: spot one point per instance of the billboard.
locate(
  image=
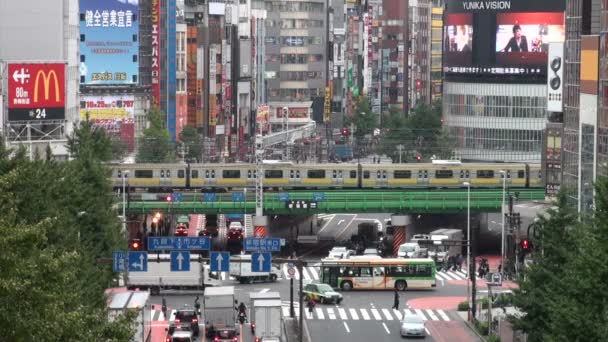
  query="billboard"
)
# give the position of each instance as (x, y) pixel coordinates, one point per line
(109, 41)
(555, 77)
(115, 114)
(156, 52)
(502, 41)
(36, 91)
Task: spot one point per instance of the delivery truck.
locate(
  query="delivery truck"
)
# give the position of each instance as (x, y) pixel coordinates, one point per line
(219, 313)
(267, 314)
(240, 269)
(451, 247)
(159, 275)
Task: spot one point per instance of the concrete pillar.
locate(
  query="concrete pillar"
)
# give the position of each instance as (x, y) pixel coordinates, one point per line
(399, 222)
(260, 224)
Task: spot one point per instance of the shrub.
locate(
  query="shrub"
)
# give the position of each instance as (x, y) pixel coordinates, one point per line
(493, 338)
(463, 306)
(482, 327)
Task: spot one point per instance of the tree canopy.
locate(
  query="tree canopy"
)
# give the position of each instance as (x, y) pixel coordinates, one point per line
(363, 119)
(56, 219)
(193, 143)
(155, 144)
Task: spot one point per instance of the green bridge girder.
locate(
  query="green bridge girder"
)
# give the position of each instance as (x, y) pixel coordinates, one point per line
(337, 201)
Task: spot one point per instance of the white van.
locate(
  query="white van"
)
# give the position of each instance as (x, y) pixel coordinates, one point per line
(235, 225)
(409, 250)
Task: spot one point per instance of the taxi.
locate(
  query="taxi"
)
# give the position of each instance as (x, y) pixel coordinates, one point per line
(321, 293)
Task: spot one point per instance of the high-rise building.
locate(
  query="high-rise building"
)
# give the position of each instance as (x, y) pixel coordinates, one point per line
(495, 77)
(436, 49)
(419, 53)
(39, 63)
(394, 64)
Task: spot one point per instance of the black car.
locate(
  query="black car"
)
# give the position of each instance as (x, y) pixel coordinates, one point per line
(185, 319)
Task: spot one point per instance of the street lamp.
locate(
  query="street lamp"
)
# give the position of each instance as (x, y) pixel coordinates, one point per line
(124, 200)
(468, 185)
(502, 244)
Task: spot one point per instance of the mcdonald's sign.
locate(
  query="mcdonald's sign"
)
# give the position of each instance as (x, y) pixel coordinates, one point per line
(36, 91)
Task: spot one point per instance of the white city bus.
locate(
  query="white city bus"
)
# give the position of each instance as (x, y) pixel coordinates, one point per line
(378, 274)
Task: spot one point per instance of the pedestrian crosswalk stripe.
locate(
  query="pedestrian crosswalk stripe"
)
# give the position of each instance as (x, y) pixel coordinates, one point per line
(319, 313)
(398, 314)
(313, 272)
(443, 315)
(157, 315)
(353, 314)
(305, 273)
(463, 274)
(330, 313)
(308, 314)
(376, 314)
(440, 276)
(387, 314)
(419, 312)
(365, 314)
(342, 313)
(447, 275)
(432, 315)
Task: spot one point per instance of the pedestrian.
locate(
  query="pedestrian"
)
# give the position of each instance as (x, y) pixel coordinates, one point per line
(499, 268)
(460, 261)
(396, 302)
(310, 305)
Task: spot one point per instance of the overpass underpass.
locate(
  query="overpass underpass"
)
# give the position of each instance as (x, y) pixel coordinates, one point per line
(337, 201)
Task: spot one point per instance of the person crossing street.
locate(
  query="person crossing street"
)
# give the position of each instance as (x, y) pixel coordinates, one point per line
(396, 301)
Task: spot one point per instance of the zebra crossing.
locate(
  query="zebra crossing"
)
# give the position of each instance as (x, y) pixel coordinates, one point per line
(157, 315)
(312, 273)
(364, 314)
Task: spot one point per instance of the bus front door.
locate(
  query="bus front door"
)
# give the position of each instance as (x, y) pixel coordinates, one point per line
(330, 276)
(379, 278)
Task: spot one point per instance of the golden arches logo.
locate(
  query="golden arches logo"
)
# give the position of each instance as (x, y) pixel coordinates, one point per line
(46, 79)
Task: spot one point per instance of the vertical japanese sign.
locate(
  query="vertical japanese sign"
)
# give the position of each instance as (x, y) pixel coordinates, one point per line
(109, 44)
(327, 111)
(156, 52)
(36, 91)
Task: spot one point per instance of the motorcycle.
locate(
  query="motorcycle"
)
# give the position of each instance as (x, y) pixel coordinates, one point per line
(253, 329)
(242, 317)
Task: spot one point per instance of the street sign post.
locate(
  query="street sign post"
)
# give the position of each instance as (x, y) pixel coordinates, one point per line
(260, 262)
(262, 244)
(138, 262)
(180, 261)
(160, 243)
(118, 261)
(219, 261)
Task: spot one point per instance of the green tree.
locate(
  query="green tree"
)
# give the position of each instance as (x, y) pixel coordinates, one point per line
(97, 142)
(193, 143)
(155, 145)
(363, 119)
(397, 133)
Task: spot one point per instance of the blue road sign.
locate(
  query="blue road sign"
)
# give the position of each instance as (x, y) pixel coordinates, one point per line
(219, 261)
(163, 243)
(238, 197)
(118, 262)
(318, 196)
(262, 244)
(209, 197)
(138, 262)
(180, 261)
(177, 196)
(283, 196)
(260, 262)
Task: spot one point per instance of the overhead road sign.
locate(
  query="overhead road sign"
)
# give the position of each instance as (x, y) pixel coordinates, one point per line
(238, 197)
(219, 261)
(260, 262)
(180, 261)
(262, 244)
(301, 204)
(160, 243)
(318, 196)
(283, 196)
(209, 197)
(138, 262)
(118, 261)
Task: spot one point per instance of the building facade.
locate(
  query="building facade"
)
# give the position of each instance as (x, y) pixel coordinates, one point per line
(436, 50)
(419, 53)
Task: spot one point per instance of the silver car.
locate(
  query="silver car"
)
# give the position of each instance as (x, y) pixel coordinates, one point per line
(412, 326)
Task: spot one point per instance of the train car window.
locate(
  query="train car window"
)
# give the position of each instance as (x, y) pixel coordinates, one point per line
(212, 173)
(521, 174)
(298, 174)
(334, 174)
(168, 173)
(420, 174)
(426, 174)
(194, 173)
(366, 174)
(255, 174)
(180, 174)
(162, 173)
(316, 174)
(443, 174)
(273, 173)
(144, 174)
(508, 173)
(540, 175)
(353, 174)
(248, 173)
(377, 174)
(340, 174)
(206, 173)
(119, 174)
(402, 174)
(290, 173)
(231, 174)
(485, 173)
(467, 174)
(383, 174)
(461, 173)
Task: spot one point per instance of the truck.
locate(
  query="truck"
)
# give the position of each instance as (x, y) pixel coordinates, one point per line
(240, 269)
(220, 313)
(159, 276)
(441, 252)
(267, 313)
(121, 301)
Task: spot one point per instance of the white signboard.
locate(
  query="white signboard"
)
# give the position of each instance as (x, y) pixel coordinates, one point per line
(555, 77)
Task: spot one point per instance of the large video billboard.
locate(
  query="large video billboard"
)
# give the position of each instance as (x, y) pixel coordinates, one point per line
(500, 40)
(109, 41)
(115, 114)
(36, 91)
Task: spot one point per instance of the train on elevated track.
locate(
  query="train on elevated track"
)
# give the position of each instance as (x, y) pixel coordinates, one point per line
(287, 175)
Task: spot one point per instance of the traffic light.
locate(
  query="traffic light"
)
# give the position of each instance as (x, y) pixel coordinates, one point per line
(526, 245)
(168, 198)
(345, 132)
(418, 158)
(135, 245)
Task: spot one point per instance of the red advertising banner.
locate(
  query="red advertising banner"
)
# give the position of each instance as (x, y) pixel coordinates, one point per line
(156, 52)
(36, 91)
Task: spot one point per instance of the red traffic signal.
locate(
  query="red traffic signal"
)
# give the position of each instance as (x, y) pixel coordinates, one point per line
(168, 198)
(526, 245)
(418, 158)
(345, 132)
(135, 245)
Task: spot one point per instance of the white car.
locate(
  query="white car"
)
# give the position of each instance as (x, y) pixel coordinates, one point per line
(340, 253)
(412, 325)
(235, 225)
(408, 250)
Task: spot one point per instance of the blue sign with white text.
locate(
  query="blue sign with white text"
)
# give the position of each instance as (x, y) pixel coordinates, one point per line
(180, 261)
(138, 262)
(176, 197)
(161, 243)
(260, 262)
(262, 244)
(219, 261)
(318, 196)
(238, 197)
(283, 196)
(209, 197)
(118, 262)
